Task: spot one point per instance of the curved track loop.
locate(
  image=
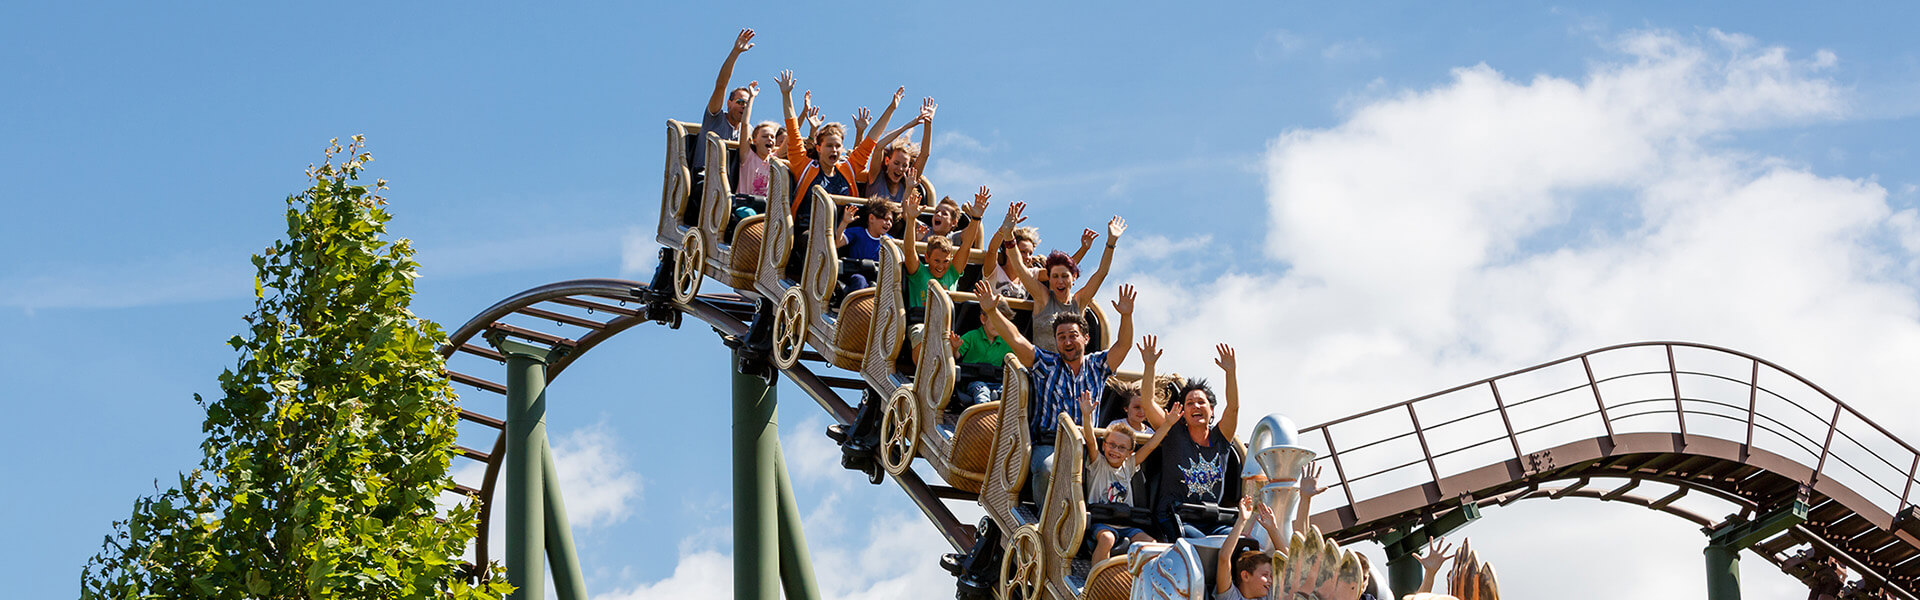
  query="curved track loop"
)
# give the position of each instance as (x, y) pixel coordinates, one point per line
(579, 315)
(1698, 418)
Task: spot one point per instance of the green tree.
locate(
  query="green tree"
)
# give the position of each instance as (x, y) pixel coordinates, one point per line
(325, 455)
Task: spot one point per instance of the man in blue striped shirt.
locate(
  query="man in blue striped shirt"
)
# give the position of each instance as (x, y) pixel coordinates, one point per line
(1058, 378)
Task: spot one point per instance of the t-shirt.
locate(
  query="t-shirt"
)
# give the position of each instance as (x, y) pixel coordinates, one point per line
(1107, 483)
(1056, 388)
(881, 187)
(1043, 322)
(1232, 593)
(717, 123)
(835, 183)
(917, 283)
(860, 245)
(975, 349)
(754, 174)
(1194, 474)
(1143, 429)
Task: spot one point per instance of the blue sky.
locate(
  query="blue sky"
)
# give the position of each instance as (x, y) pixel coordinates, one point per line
(1308, 181)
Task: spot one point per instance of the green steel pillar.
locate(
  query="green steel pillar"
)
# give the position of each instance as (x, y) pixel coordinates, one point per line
(1723, 572)
(568, 584)
(756, 444)
(526, 447)
(1404, 575)
(796, 567)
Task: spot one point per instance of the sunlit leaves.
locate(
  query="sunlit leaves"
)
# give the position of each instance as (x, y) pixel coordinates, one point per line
(330, 440)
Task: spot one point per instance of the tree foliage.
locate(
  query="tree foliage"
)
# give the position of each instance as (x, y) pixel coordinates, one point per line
(331, 442)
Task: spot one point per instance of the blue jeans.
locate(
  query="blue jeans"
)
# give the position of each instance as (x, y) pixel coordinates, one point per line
(976, 392)
(1040, 472)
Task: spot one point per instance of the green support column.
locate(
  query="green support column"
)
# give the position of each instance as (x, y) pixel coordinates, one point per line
(796, 567)
(1723, 572)
(1404, 573)
(526, 446)
(568, 584)
(756, 442)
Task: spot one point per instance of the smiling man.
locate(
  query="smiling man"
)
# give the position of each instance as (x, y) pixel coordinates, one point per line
(1059, 377)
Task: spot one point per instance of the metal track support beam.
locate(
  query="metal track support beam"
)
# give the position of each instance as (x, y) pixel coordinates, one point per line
(1403, 569)
(526, 463)
(756, 447)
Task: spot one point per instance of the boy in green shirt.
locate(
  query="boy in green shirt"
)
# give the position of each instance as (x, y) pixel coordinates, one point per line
(979, 347)
(944, 262)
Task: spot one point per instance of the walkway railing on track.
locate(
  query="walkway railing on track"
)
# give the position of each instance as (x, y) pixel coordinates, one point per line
(1682, 388)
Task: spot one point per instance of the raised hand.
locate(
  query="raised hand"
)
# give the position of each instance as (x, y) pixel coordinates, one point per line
(1438, 551)
(806, 100)
(953, 339)
(861, 118)
(1225, 362)
(920, 230)
(847, 213)
(1115, 227)
(1086, 405)
(1087, 236)
(897, 96)
(1149, 350)
(1309, 482)
(927, 108)
(989, 300)
(753, 89)
(1246, 507)
(744, 42)
(785, 81)
(1125, 304)
(979, 207)
(812, 116)
(1263, 515)
(1013, 215)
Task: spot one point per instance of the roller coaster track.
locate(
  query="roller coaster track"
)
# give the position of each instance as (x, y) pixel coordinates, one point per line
(1808, 475)
(1697, 418)
(1700, 419)
(580, 314)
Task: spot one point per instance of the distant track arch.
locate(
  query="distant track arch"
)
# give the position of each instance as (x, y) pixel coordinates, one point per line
(1699, 418)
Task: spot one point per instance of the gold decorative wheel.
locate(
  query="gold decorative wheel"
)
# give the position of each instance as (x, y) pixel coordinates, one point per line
(899, 431)
(1020, 565)
(789, 329)
(686, 266)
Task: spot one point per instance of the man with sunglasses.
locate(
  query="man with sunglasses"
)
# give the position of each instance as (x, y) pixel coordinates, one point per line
(725, 110)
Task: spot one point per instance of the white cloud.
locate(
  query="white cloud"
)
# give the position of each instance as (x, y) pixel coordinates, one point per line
(1443, 235)
(595, 482)
(639, 252)
(699, 574)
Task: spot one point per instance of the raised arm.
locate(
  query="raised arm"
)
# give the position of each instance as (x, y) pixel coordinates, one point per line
(1230, 412)
(741, 43)
(1087, 236)
(746, 120)
(1150, 355)
(796, 149)
(1437, 555)
(989, 305)
(847, 215)
(1309, 486)
(1002, 235)
(879, 126)
(1123, 338)
(1159, 435)
(1035, 288)
(861, 117)
(927, 108)
(1115, 227)
(1086, 426)
(1223, 574)
(910, 214)
(971, 236)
